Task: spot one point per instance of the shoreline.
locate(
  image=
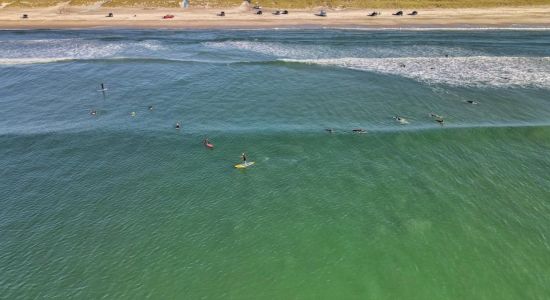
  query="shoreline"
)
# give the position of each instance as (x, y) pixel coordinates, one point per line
(239, 18)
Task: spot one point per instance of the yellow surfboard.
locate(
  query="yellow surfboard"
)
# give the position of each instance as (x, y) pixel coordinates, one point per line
(244, 165)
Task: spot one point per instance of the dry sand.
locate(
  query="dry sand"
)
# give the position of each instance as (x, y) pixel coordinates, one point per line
(64, 16)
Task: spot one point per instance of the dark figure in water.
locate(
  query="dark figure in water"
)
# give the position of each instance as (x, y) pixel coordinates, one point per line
(178, 126)
(150, 107)
(440, 121)
(329, 130)
(471, 102)
(359, 130)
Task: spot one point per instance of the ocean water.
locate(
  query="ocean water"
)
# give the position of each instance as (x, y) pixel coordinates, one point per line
(118, 206)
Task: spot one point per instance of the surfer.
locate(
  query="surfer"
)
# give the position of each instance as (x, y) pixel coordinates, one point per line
(243, 157)
(329, 130)
(471, 102)
(438, 118)
(150, 107)
(207, 144)
(400, 120)
(178, 126)
(359, 130)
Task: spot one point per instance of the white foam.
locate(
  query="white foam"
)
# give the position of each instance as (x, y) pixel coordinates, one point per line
(28, 61)
(280, 50)
(428, 28)
(55, 50)
(472, 70)
(418, 62)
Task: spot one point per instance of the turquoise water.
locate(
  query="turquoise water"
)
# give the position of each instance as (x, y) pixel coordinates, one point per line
(117, 206)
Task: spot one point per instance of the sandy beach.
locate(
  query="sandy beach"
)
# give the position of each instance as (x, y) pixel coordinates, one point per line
(63, 16)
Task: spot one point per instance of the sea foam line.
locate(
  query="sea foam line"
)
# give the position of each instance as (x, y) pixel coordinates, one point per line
(474, 70)
(28, 61)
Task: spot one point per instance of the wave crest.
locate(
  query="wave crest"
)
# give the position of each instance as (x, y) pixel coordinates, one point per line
(476, 70)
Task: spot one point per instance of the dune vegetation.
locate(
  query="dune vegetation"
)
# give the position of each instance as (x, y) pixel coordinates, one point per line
(291, 3)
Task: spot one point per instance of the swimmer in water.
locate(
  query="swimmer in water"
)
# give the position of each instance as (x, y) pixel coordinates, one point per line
(401, 120)
(150, 107)
(329, 130)
(471, 102)
(438, 118)
(359, 130)
(178, 126)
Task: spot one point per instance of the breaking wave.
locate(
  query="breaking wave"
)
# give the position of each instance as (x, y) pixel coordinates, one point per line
(29, 61)
(298, 51)
(431, 64)
(451, 65)
(55, 50)
(477, 70)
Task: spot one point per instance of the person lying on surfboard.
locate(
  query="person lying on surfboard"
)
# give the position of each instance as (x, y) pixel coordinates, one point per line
(207, 144)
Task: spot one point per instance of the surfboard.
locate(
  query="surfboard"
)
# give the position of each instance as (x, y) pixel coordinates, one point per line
(244, 165)
(209, 146)
(101, 90)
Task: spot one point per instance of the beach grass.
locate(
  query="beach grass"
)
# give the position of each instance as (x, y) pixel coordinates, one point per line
(83, 2)
(141, 3)
(374, 4)
(33, 3)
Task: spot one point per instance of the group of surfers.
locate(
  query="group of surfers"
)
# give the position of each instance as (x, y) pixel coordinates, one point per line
(439, 119)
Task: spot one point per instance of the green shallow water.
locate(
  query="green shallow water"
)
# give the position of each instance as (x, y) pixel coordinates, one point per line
(120, 207)
(320, 216)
